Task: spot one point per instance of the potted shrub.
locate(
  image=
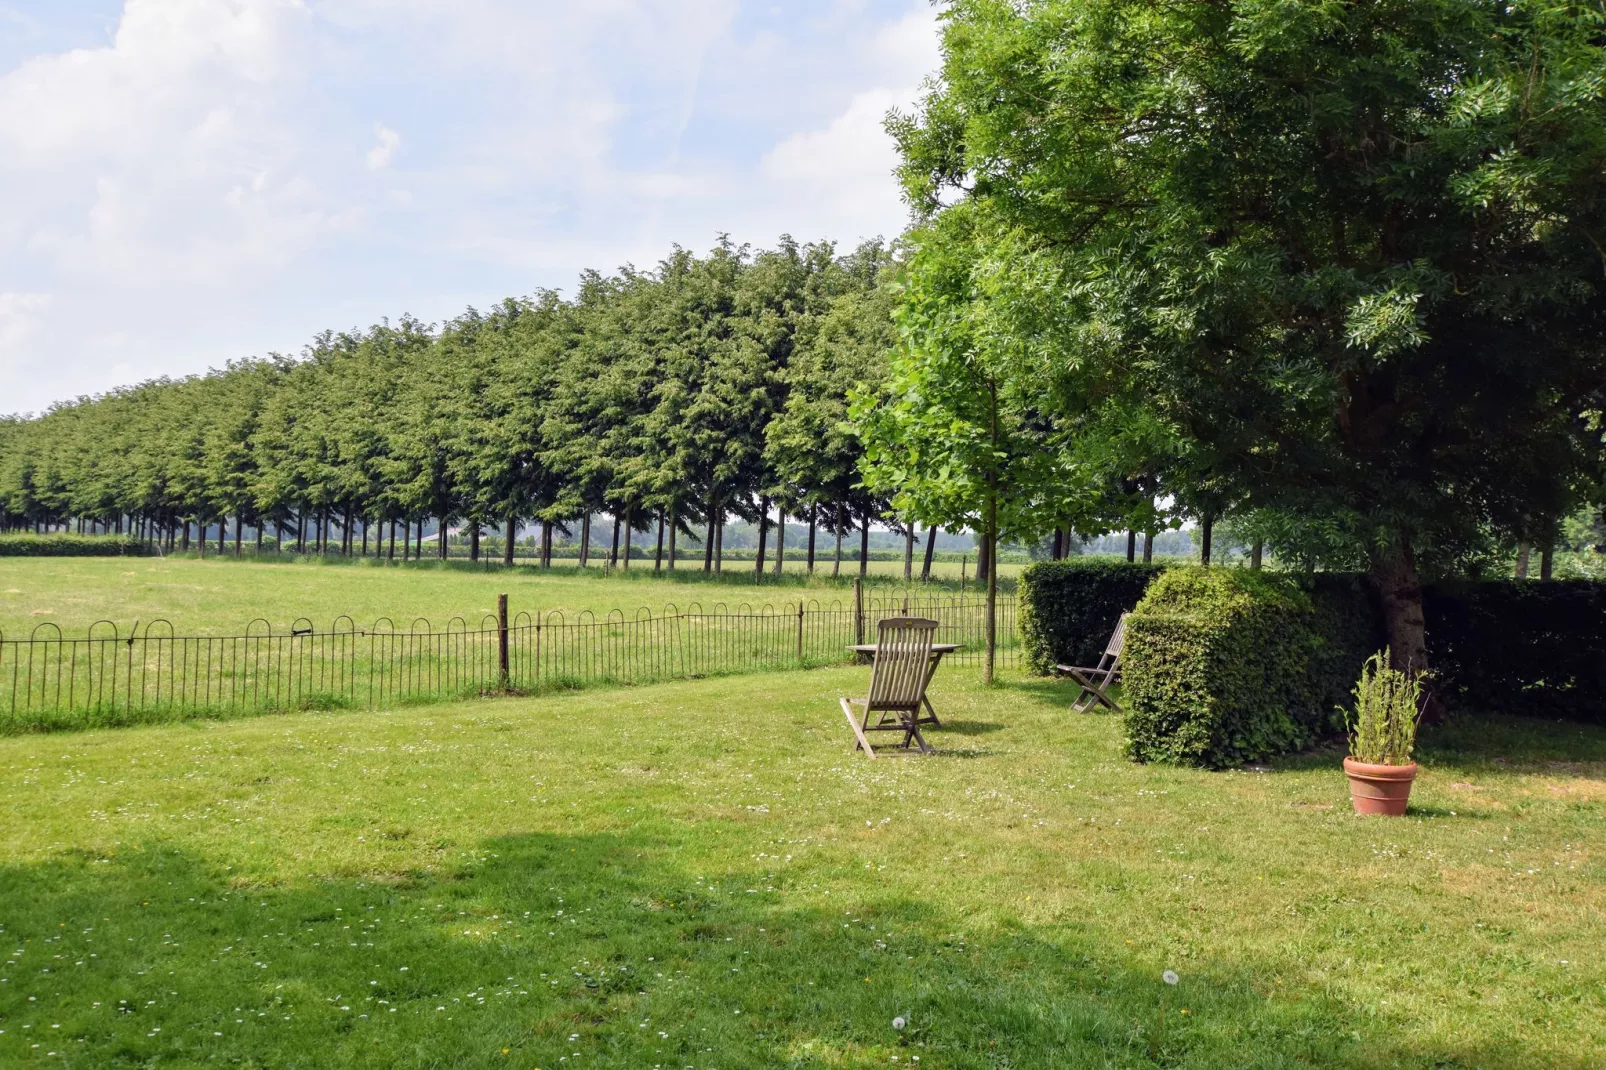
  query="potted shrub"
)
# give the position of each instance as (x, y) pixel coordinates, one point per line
(1382, 736)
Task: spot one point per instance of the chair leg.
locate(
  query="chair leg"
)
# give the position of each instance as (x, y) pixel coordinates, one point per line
(1107, 700)
(858, 732)
(1089, 696)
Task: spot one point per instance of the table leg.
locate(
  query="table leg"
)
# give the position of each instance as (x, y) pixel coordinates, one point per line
(936, 659)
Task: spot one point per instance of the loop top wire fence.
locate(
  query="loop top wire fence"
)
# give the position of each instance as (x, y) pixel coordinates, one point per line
(50, 681)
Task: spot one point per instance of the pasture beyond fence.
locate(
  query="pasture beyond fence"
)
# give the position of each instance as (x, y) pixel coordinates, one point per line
(108, 677)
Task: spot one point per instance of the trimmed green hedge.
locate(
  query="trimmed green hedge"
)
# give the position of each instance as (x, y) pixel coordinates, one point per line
(64, 545)
(1225, 666)
(1520, 646)
(1069, 608)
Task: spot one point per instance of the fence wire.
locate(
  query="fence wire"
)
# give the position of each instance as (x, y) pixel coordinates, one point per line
(51, 681)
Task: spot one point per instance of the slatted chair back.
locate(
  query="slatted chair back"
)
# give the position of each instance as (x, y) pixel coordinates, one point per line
(1118, 639)
(902, 663)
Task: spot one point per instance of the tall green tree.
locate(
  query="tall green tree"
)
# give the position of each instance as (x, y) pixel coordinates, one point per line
(1352, 253)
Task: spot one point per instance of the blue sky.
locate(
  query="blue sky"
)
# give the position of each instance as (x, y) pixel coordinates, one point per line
(185, 182)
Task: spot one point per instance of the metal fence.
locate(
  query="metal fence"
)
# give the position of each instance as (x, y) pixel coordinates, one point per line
(50, 681)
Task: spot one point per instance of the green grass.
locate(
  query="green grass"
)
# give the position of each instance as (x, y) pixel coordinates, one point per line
(220, 596)
(702, 875)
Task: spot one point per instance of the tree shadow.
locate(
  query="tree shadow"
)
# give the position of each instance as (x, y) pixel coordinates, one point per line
(1061, 692)
(1472, 743)
(971, 728)
(542, 950)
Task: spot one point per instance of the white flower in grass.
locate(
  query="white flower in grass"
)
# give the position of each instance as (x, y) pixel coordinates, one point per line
(898, 1023)
(1170, 977)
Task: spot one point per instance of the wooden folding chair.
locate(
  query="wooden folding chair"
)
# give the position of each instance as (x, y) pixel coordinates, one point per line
(898, 679)
(1097, 681)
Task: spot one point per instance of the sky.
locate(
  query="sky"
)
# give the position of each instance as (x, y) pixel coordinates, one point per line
(189, 182)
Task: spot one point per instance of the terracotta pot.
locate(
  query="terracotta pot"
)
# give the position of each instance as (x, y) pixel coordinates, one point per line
(1379, 789)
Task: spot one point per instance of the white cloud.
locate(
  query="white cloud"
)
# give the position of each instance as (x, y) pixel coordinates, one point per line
(380, 155)
(843, 172)
(189, 192)
(21, 321)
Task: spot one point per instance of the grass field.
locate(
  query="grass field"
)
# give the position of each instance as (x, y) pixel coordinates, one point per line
(701, 875)
(219, 596)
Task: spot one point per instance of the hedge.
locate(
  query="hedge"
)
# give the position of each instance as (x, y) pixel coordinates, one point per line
(1225, 666)
(65, 545)
(1069, 608)
(1520, 646)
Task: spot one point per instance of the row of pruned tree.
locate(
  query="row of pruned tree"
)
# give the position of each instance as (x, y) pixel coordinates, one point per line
(708, 387)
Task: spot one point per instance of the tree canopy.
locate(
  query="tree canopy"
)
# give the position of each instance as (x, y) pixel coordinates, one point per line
(1338, 264)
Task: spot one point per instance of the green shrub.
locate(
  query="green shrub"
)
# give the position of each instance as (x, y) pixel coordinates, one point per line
(1225, 666)
(66, 545)
(1387, 704)
(1069, 608)
(1520, 646)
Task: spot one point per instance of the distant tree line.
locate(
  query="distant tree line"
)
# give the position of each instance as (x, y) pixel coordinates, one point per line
(707, 387)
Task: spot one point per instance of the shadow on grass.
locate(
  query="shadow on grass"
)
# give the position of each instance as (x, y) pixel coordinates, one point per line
(1484, 743)
(1493, 742)
(542, 950)
(737, 573)
(972, 728)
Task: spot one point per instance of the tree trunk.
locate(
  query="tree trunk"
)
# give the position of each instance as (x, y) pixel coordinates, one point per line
(719, 543)
(1257, 554)
(444, 551)
(836, 569)
(864, 548)
(658, 557)
(585, 538)
(909, 552)
(391, 553)
(1523, 550)
(239, 532)
(814, 523)
(708, 543)
(992, 580)
(1131, 546)
(186, 544)
(1547, 563)
(630, 519)
(1148, 547)
(780, 540)
(1399, 596)
(674, 531)
(1206, 527)
(474, 541)
(546, 543)
(763, 534)
(507, 543)
(613, 553)
(931, 550)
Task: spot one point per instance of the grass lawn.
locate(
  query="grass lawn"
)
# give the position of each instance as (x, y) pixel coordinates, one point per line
(219, 596)
(702, 875)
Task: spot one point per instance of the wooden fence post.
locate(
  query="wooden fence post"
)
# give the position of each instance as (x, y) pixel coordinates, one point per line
(858, 610)
(501, 639)
(800, 631)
